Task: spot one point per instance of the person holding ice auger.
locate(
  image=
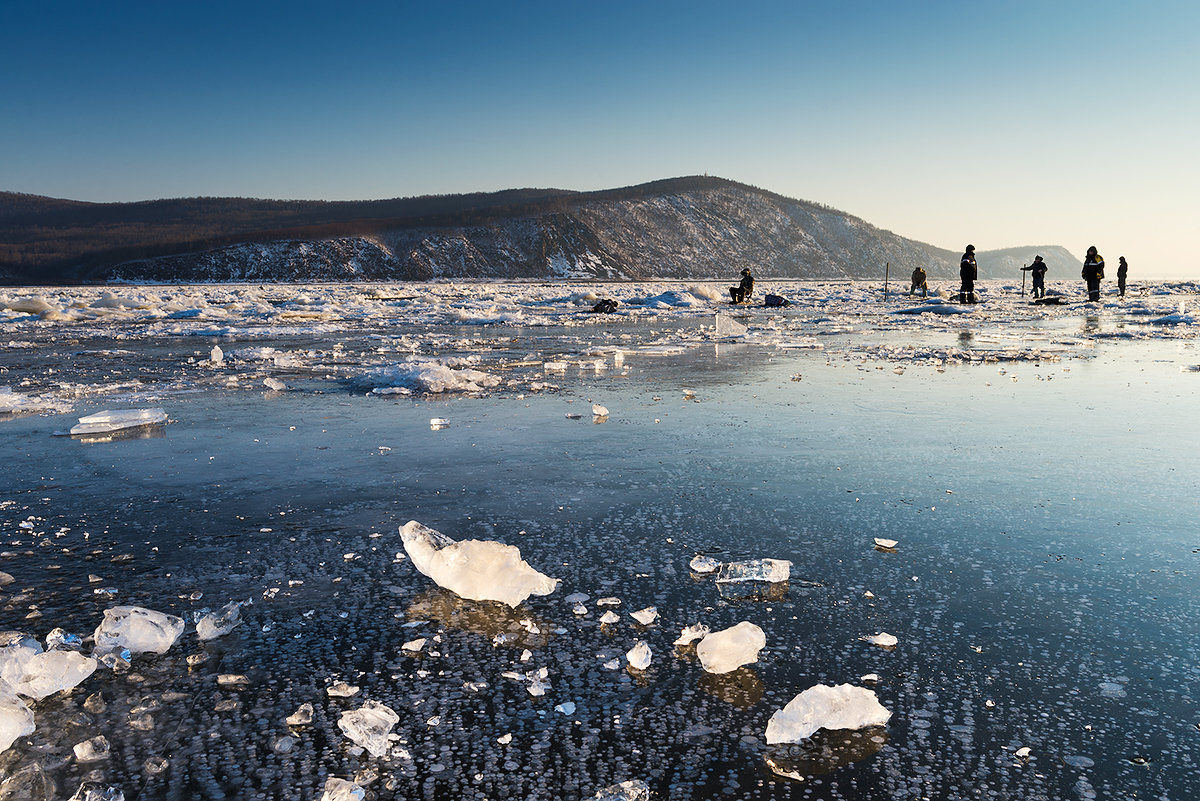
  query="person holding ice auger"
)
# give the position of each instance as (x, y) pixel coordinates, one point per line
(1038, 271)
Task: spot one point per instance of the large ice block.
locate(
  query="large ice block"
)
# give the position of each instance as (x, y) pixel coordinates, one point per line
(369, 726)
(137, 629)
(825, 707)
(108, 421)
(729, 649)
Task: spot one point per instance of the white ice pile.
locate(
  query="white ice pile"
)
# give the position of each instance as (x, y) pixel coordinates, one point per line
(429, 376)
(369, 726)
(826, 707)
(138, 630)
(727, 650)
(221, 622)
(108, 421)
(478, 570)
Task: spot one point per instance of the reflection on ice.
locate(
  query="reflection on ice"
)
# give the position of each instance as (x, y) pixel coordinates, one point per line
(825, 752)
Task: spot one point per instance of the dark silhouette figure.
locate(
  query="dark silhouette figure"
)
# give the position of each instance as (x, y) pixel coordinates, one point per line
(918, 282)
(1093, 273)
(1038, 271)
(968, 272)
(741, 293)
(1122, 274)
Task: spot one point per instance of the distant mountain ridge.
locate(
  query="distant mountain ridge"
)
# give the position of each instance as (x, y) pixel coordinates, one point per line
(695, 227)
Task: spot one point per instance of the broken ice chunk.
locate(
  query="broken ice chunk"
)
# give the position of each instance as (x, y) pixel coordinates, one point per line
(885, 544)
(703, 564)
(599, 411)
(579, 609)
(61, 640)
(576, 598)
(639, 655)
(608, 602)
(54, 671)
(221, 622)
(610, 617)
(692, 633)
(369, 726)
(92, 750)
(16, 649)
(274, 384)
(883, 640)
(341, 790)
(566, 708)
(137, 629)
(413, 646)
(340, 689)
(768, 570)
(118, 420)
(727, 650)
(632, 790)
(303, 715)
(825, 707)
(645, 616)
(95, 791)
(16, 719)
(479, 570)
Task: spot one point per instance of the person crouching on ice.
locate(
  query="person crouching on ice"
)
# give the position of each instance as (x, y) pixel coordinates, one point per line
(742, 291)
(918, 282)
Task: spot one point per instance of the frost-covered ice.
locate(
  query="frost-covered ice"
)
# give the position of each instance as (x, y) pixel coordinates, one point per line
(826, 707)
(479, 570)
(729, 649)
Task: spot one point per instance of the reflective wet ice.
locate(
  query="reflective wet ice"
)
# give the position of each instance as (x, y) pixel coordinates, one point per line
(1032, 467)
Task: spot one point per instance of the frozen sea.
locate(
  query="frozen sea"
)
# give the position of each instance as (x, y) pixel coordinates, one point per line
(1037, 466)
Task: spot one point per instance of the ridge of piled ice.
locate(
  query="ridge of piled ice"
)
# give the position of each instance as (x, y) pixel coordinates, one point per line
(478, 570)
(829, 707)
(16, 719)
(369, 726)
(117, 420)
(137, 629)
(727, 650)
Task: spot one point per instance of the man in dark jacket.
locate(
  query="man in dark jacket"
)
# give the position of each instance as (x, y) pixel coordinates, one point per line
(1038, 271)
(968, 272)
(1093, 272)
(1122, 274)
(742, 291)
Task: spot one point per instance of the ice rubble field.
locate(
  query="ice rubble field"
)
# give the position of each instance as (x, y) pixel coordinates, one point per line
(989, 514)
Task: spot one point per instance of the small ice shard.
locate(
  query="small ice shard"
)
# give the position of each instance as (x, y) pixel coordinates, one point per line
(573, 415)
(414, 646)
(632, 790)
(274, 384)
(342, 790)
(576, 598)
(727, 650)
(882, 639)
(303, 716)
(608, 602)
(599, 411)
(554, 367)
(610, 617)
(59, 640)
(219, 623)
(137, 629)
(16, 719)
(235, 680)
(504, 739)
(340, 689)
(526, 655)
(216, 356)
(438, 422)
(95, 791)
(768, 570)
(92, 750)
(645, 616)
(886, 544)
(566, 708)
(703, 564)
(690, 634)
(825, 707)
(369, 726)
(108, 421)
(478, 570)
(869, 678)
(868, 594)
(1023, 752)
(612, 664)
(726, 326)
(54, 671)
(579, 609)
(639, 655)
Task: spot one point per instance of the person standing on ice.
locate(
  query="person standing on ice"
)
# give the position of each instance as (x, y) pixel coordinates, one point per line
(1093, 273)
(968, 272)
(1122, 274)
(742, 291)
(918, 282)
(1038, 271)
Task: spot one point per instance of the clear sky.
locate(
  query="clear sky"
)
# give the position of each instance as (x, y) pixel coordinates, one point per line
(995, 123)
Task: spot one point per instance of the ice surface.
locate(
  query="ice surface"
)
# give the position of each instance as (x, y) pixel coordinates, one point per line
(479, 570)
(342, 790)
(727, 650)
(768, 570)
(118, 420)
(53, 671)
(369, 726)
(639, 655)
(632, 790)
(16, 719)
(219, 623)
(825, 707)
(137, 629)
(690, 634)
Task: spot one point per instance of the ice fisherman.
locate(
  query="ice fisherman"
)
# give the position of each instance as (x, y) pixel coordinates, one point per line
(918, 282)
(1122, 274)
(1093, 273)
(1038, 271)
(968, 272)
(743, 290)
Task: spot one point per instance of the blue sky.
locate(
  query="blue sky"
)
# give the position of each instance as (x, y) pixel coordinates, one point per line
(1001, 124)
